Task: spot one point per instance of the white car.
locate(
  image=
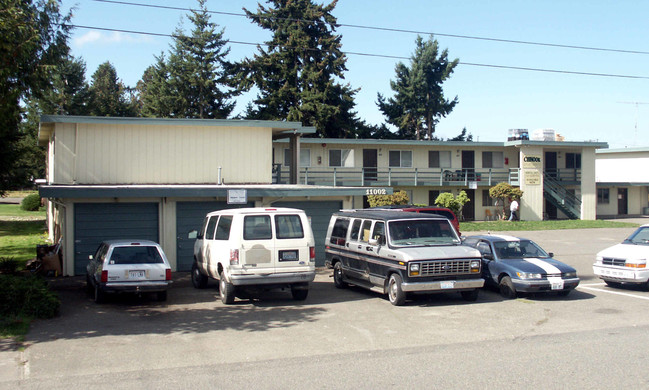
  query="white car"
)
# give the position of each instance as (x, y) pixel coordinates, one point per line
(255, 248)
(131, 266)
(625, 262)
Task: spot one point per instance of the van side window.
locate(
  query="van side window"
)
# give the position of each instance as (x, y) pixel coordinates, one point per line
(356, 227)
(211, 226)
(288, 226)
(201, 233)
(379, 230)
(223, 228)
(257, 227)
(339, 231)
(365, 230)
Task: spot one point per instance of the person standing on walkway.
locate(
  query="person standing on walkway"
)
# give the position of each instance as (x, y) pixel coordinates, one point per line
(513, 210)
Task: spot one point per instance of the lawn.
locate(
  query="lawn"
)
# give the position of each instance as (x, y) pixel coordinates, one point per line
(20, 232)
(495, 226)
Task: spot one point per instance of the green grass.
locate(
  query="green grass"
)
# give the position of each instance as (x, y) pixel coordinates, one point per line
(541, 225)
(14, 210)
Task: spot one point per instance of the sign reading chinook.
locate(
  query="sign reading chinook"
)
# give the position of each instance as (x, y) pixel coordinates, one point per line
(532, 162)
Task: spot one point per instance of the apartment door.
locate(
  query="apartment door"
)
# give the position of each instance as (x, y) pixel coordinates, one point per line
(468, 210)
(370, 157)
(551, 164)
(468, 163)
(622, 204)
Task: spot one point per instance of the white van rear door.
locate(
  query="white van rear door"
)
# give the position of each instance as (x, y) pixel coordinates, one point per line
(293, 239)
(258, 243)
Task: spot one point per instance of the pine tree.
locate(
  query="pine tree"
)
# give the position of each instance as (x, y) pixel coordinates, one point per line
(297, 73)
(108, 93)
(155, 98)
(419, 101)
(69, 94)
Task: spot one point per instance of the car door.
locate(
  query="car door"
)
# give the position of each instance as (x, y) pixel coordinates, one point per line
(257, 244)
(489, 264)
(292, 239)
(206, 249)
(220, 244)
(355, 249)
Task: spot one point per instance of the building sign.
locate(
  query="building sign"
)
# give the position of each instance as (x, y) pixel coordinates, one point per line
(533, 162)
(473, 185)
(237, 197)
(532, 177)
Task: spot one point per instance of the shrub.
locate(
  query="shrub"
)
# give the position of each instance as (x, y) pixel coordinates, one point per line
(455, 203)
(398, 198)
(8, 265)
(27, 297)
(31, 202)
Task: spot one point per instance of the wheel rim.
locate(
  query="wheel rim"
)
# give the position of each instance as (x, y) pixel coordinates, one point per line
(392, 290)
(338, 274)
(222, 286)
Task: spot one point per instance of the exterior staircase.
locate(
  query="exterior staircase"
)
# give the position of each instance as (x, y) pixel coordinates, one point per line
(560, 197)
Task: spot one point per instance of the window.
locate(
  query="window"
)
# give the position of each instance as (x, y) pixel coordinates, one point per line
(339, 232)
(305, 157)
(379, 231)
(573, 160)
(288, 226)
(257, 227)
(356, 228)
(223, 228)
(400, 158)
(439, 159)
(603, 196)
(486, 199)
(209, 233)
(135, 255)
(341, 158)
(493, 160)
(367, 225)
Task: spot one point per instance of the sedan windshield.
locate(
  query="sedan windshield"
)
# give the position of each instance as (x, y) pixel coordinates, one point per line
(518, 249)
(640, 237)
(422, 232)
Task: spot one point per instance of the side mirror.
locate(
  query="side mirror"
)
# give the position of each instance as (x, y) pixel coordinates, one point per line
(488, 256)
(90, 257)
(551, 254)
(192, 235)
(379, 240)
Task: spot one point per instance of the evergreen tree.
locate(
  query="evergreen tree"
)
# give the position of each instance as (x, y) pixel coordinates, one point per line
(34, 39)
(154, 91)
(297, 72)
(108, 93)
(419, 101)
(69, 94)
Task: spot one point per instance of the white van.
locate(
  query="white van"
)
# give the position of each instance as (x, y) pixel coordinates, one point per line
(255, 247)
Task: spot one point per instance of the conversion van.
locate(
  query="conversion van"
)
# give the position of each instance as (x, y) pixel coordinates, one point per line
(397, 252)
(255, 248)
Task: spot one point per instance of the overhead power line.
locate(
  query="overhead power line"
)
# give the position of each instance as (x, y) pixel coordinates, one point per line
(390, 29)
(385, 56)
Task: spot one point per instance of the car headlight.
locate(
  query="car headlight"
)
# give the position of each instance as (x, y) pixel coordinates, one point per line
(529, 275)
(570, 275)
(475, 265)
(636, 263)
(413, 269)
(599, 259)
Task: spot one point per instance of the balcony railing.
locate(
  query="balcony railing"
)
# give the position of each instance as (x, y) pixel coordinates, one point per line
(364, 177)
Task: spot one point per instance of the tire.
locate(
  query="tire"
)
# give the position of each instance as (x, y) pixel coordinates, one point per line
(198, 279)
(338, 275)
(470, 296)
(396, 295)
(100, 296)
(299, 294)
(613, 284)
(226, 289)
(507, 289)
(162, 296)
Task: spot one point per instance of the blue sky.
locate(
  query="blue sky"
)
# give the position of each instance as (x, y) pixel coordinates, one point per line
(491, 100)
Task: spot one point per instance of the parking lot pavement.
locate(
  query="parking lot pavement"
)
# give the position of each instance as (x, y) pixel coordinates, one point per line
(140, 339)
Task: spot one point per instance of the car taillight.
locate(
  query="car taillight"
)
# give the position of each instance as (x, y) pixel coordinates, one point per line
(168, 274)
(234, 256)
(104, 276)
(311, 253)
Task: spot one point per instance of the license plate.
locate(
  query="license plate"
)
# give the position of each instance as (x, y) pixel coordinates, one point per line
(136, 274)
(288, 255)
(446, 285)
(557, 286)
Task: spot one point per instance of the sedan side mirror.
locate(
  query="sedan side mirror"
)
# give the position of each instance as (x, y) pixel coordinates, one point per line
(90, 257)
(192, 235)
(551, 254)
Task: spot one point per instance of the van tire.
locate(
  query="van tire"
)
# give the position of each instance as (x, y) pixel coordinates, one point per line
(198, 279)
(338, 275)
(226, 289)
(396, 295)
(299, 294)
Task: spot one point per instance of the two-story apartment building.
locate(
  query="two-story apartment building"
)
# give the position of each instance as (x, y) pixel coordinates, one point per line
(622, 182)
(148, 178)
(557, 177)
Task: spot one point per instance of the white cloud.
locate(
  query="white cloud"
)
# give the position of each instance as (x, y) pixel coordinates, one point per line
(98, 37)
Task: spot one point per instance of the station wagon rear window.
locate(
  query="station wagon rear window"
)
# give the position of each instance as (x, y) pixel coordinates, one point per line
(288, 226)
(135, 255)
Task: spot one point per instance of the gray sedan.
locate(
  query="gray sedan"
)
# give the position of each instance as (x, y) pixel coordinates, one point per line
(516, 265)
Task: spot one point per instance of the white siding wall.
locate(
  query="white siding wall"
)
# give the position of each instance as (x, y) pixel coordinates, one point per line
(131, 154)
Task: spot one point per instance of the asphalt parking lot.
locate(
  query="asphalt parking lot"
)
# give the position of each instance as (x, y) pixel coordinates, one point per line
(345, 338)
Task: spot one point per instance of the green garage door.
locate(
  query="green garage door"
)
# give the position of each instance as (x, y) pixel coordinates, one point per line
(189, 216)
(319, 213)
(96, 222)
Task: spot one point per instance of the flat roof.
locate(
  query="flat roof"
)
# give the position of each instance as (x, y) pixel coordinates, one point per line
(624, 150)
(410, 142)
(197, 191)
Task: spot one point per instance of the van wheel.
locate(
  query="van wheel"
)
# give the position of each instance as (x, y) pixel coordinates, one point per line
(299, 294)
(198, 279)
(226, 289)
(338, 275)
(507, 289)
(396, 295)
(470, 296)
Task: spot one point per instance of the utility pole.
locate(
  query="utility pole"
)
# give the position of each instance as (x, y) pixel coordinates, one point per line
(635, 135)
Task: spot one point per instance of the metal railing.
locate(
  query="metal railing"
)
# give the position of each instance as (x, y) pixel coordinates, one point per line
(563, 199)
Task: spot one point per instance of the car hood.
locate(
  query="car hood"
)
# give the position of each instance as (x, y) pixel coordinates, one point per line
(438, 252)
(626, 251)
(538, 265)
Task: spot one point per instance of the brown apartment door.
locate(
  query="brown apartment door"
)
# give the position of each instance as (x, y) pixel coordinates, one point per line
(370, 157)
(468, 163)
(622, 208)
(468, 210)
(551, 164)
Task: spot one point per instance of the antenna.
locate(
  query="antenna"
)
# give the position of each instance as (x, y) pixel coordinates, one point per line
(635, 135)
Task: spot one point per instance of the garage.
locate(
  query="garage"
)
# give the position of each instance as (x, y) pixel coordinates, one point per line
(96, 222)
(189, 216)
(319, 212)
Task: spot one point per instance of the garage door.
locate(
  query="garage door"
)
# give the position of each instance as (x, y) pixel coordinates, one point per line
(96, 222)
(189, 216)
(319, 213)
